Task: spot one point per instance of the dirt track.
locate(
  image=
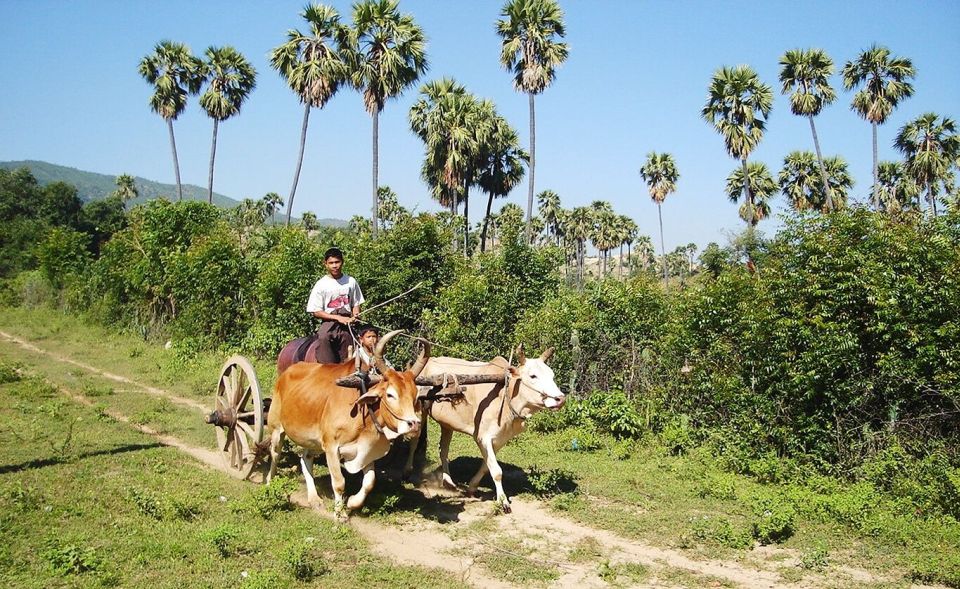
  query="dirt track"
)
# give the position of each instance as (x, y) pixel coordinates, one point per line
(456, 546)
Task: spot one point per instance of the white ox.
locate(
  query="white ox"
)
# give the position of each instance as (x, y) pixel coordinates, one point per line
(491, 413)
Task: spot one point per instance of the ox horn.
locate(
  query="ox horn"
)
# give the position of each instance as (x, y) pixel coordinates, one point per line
(521, 356)
(378, 351)
(421, 362)
(547, 354)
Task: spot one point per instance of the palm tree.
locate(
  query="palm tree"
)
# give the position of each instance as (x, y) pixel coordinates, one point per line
(126, 188)
(387, 55)
(548, 205)
(800, 182)
(429, 116)
(807, 74)
(760, 186)
(738, 106)
(630, 231)
(271, 202)
(313, 68)
(389, 208)
(500, 165)
(175, 73)
(932, 147)
(529, 29)
(897, 190)
(886, 83)
(579, 226)
(309, 221)
(661, 175)
(231, 78)
(453, 125)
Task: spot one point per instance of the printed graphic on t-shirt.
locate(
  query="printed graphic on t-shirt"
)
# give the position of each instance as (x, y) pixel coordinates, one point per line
(338, 302)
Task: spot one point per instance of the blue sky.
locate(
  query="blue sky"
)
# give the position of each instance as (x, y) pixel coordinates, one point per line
(635, 81)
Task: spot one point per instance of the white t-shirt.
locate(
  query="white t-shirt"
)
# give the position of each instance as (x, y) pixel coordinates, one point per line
(330, 294)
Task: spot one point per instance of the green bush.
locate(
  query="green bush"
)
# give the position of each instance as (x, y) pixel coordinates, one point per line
(302, 562)
(773, 520)
(721, 531)
(225, 540)
(63, 253)
(479, 312)
(208, 283)
(71, 559)
(678, 435)
(602, 335)
(284, 274)
(850, 326)
(611, 412)
(550, 482)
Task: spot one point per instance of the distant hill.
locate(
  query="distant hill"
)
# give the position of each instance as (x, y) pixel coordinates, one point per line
(93, 186)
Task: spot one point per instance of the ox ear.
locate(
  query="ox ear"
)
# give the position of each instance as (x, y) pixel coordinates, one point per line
(521, 356)
(367, 398)
(547, 354)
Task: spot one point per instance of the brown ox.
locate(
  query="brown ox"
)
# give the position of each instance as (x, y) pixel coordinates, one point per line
(491, 413)
(321, 416)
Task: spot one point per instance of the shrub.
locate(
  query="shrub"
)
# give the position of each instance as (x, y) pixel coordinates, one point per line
(550, 482)
(602, 334)
(773, 520)
(225, 539)
(612, 412)
(718, 485)
(678, 435)
(63, 253)
(721, 531)
(8, 373)
(71, 559)
(303, 563)
(479, 312)
(580, 439)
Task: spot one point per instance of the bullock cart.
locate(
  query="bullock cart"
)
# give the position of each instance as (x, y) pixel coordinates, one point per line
(240, 409)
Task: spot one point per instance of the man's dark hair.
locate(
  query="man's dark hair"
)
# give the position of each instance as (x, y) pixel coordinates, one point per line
(333, 252)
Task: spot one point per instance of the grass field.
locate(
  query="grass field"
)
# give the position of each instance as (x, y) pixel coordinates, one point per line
(87, 501)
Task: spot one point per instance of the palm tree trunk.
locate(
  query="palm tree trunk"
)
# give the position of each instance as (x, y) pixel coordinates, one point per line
(486, 220)
(932, 199)
(376, 168)
(296, 173)
(213, 156)
(663, 249)
(823, 168)
(466, 218)
(176, 162)
(746, 193)
(876, 171)
(533, 164)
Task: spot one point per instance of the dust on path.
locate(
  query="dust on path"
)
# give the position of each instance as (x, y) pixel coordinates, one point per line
(548, 539)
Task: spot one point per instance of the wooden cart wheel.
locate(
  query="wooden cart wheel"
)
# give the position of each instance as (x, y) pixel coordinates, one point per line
(238, 415)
